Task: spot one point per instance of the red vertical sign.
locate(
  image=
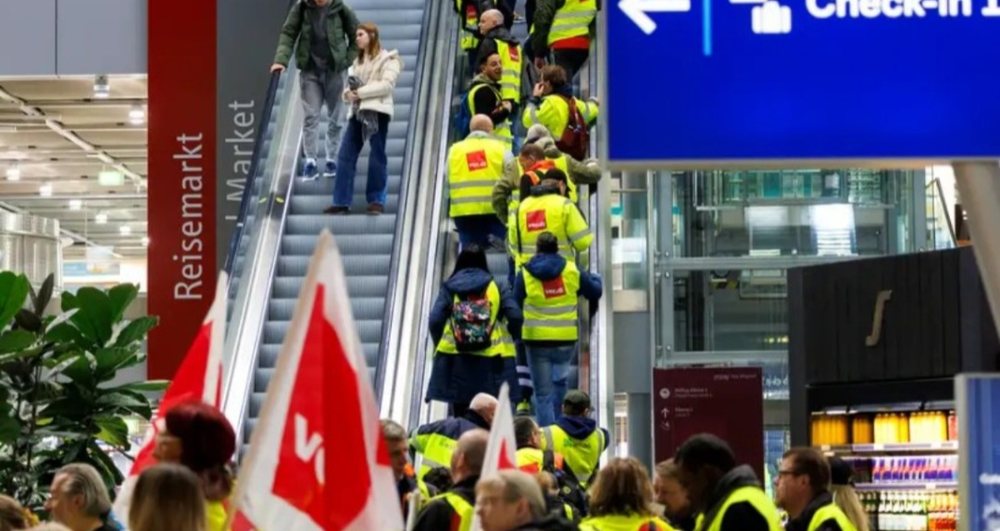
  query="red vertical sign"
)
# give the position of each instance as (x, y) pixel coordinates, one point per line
(727, 402)
(182, 114)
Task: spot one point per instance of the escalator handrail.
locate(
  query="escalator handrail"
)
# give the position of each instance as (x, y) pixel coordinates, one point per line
(399, 262)
(258, 146)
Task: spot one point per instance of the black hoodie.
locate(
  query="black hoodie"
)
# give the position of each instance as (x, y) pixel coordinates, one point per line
(740, 516)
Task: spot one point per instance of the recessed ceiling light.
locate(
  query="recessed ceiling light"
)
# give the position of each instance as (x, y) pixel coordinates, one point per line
(102, 87)
(145, 241)
(45, 190)
(137, 115)
(13, 173)
(111, 178)
(125, 230)
(101, 218)
(75, 204)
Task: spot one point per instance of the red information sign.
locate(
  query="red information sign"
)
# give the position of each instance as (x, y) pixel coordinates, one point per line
(727, 402)
(182, 169)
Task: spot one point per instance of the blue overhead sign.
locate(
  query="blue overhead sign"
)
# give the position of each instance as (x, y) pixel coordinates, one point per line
(701, 81)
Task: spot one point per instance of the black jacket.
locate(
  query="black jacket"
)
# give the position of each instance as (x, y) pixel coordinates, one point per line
(802, 522)
(487, 100)
(438, 514)
(549, 523)
(740, 516)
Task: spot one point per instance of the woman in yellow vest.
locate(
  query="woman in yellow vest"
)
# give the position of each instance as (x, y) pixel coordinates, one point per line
(548, 289)
(200, 437)
(474, 324)
(622, 499)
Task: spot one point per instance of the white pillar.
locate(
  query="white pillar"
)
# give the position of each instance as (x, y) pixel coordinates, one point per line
(979, 186)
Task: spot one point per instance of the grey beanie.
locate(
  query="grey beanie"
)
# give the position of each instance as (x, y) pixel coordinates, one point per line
(535, 133)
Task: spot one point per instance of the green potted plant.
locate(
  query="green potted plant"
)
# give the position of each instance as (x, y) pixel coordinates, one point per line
(57, 404)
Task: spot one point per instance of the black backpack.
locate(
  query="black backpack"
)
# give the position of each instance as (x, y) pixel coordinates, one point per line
(570, 489)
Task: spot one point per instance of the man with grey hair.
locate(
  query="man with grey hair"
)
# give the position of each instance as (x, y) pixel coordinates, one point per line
(436, 441)
(457, 505)
(78, 499)
(511, 500)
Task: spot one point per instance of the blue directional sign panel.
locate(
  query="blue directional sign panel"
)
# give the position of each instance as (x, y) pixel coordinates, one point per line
(781, 80)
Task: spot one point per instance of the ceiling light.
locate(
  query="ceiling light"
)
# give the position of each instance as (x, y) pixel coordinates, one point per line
(125, 230)
(111, 178)
(145, 241)
(137, 115)
(75, 204)
(13, 173)
(45, 190)
(101, 218)
(102, 87)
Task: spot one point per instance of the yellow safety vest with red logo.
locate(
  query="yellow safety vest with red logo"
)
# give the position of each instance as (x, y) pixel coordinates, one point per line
(550, 306)
(573, 19)
(474, 167)
(545, 165)
(470, 25)
(512, 61)
(547, 213)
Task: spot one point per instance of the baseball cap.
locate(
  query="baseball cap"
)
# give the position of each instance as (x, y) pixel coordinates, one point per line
(577, 400)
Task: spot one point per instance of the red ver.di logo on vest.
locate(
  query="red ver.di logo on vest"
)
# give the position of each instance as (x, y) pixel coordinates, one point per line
(515, 53)
(476, 160)
(536, 220)
(554, 287)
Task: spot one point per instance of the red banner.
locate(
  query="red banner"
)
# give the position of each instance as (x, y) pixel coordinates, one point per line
(182, 168)
(726, 402)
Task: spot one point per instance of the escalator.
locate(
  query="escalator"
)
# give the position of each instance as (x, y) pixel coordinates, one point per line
(283, 215)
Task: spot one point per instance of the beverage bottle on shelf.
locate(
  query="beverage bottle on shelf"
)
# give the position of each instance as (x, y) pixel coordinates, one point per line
(903, 435)
(952, 426)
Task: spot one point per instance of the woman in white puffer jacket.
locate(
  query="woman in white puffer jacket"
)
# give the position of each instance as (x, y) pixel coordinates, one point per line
(372, 78)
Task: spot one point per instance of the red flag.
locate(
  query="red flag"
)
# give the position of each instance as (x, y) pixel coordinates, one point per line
(502, 447)
(316, 458)
(198, 377)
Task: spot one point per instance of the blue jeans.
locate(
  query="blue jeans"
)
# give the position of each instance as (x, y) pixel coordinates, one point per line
(478, 229)
(549, 373)
(347, 161)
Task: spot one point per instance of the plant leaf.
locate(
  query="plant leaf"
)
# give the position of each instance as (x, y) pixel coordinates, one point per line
(94, 319)
(15, 341)
(66, 333)
(44, 294)
(151, 386)
(27, 320)
(80, 372)
(10, 429)
(135, 331)
(113, 431)
(125, 401)
(121, 296)
(110, 360)
(13, 293)
(102, 461)
(68, 302)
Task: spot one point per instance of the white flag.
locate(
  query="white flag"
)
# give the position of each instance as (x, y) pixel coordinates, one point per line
(317, 459)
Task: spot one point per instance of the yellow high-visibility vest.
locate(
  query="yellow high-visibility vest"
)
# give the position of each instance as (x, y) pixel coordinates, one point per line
(512, 60)
(573, 19)
(474, 167)
(551, 306)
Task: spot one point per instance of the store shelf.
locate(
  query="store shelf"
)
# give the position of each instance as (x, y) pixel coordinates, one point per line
(907, 485)
(878, 448)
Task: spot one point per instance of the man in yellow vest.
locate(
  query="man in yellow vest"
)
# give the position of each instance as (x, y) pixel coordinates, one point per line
(506, 190)
(726, 497)
(564, 27)
(576, 436)
(802, 490)
(435, 442)
(497, 40)
(550, 103)
(548, 288)
(474, 167)
(453, 510)
(484, 97)
(548, 209)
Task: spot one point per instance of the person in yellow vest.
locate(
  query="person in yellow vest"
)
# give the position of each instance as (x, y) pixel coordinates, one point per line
(577, 437)
(435, 442)
(547, 210)
(672, 496)
(802, 490)
(397, 444)
(725, 496)
(622, 499)
(498, 40)
(453, 510)
(474, 166)
(469, 12)
(548, 288)
(564, 28)
(540, 146)
(484, 97)
(511, 500)
(550, 103)
(530, 456)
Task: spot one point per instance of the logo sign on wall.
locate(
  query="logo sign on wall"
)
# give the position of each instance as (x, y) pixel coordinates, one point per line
(727, 402)
(760, 82)
(978, 401)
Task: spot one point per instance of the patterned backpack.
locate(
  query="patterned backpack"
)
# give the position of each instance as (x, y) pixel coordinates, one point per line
(470, 322)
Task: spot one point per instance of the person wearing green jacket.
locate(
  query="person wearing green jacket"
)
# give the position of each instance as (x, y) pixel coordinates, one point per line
(321, 32)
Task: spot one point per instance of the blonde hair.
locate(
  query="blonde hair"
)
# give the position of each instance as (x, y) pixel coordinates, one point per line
(516, 485)
(12, 515)
(845, 498)
(374, 45)
(167, 497)
(50, 526)
(622, 487)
